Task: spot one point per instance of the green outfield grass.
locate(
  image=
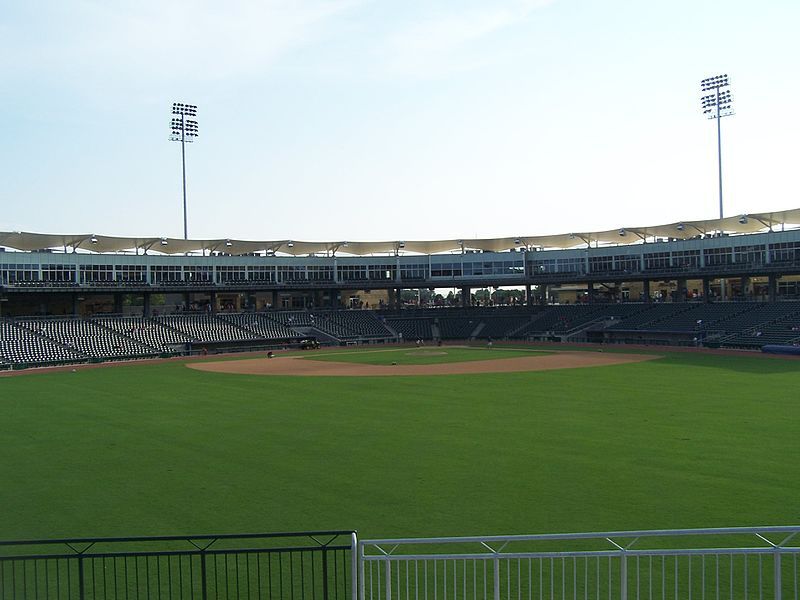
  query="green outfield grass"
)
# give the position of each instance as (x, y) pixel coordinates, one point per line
(426, 355)
(690, 440)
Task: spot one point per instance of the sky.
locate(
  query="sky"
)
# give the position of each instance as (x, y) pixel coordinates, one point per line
(387, 120)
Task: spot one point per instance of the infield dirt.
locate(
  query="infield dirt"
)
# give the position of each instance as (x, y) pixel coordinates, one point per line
(300, 366)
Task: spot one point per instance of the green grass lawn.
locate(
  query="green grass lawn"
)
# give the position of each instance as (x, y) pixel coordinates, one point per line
(426, 355)
(685, 441)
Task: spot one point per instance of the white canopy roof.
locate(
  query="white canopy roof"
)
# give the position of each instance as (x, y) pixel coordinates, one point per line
(749, 223)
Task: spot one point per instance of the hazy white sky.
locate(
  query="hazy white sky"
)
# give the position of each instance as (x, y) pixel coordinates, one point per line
(372, 119)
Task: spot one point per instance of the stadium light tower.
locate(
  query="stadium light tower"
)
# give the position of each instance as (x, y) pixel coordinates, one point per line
(716, 105)
(183, 130)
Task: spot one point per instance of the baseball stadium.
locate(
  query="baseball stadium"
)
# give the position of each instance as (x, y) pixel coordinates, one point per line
(416, 418)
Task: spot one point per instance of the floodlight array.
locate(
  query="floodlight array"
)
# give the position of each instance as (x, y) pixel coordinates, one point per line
(188, 110)
(183, 130)
(712, 83)
(723, 100)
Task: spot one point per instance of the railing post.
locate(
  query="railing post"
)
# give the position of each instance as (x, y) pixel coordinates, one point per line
(324, 573)
(777, 564)
(357, 567)
(623, 575)
(81, 589)
(496, 577)
(388, 579)
(203, 578)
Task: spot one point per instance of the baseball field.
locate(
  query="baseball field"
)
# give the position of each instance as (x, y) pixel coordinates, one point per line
(598, 441)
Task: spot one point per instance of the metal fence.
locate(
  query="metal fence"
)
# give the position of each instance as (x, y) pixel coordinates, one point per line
(705, 564)
(305, 565)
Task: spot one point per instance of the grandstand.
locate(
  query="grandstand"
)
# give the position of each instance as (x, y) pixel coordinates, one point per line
(770, 324)
(25, 346)
(87, 337)
(147, 332)
(206, 328)
(732, 282)
(747, 325)
(413, 328)
(261, 325)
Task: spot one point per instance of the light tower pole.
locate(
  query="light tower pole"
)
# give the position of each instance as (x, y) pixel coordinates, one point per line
(716, 105)
(183, 130)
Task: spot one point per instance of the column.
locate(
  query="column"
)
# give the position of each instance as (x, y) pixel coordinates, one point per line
(590, 289)
(146, 307)
(646, 291)
(747, 294)
(213, 301)
(706, 289)
(528, 296)
(466, 296)
(681, 296)
(118, 303)
(392, 298)
(772, 288)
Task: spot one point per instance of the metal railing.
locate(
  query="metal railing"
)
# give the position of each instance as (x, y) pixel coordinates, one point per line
(712, 564)
(307, 565)
(748, 562)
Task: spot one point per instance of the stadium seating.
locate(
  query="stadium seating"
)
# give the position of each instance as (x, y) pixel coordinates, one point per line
(362, 323)
(412, 329)
(314, 320)
(701, 317)
(501, 327)
(19, 345)
(146, 331)
(62, 340)
(559, 319)
(777, 324)
(261, 325)
(88, 338)
(343, 325)
(457, 328)
(653, 317)
(206, 328)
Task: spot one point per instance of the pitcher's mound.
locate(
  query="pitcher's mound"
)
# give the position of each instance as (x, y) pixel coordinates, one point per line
(297, 365)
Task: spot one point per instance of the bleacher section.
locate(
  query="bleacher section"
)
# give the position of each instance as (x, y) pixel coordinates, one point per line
(457, 328)
(362, 323)
(700, 317)
(501, 327)
(146, 331)
(412, 329)
(650, 317)
(777, 324)
(88, 338)
(37, 341)
(313, 320)
(759, 314)
(23, 346)
(559, 319)
(261, 325)
(206, 328)
(342, 325)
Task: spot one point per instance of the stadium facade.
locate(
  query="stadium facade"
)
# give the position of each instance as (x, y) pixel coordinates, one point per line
(748, 257)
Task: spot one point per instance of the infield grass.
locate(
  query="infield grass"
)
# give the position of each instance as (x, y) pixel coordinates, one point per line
(690, 440)
(426, 355)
